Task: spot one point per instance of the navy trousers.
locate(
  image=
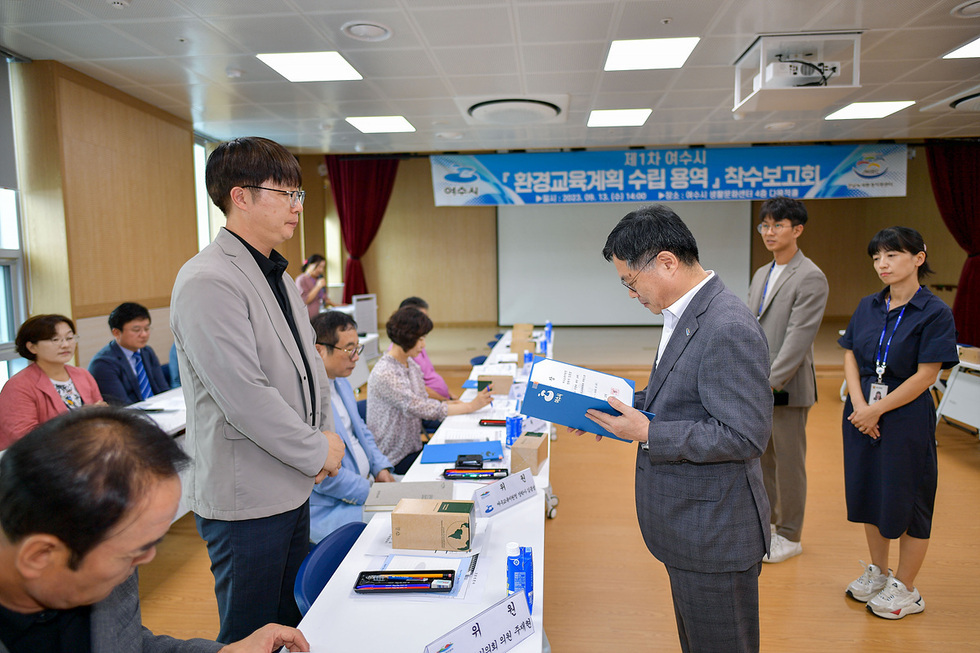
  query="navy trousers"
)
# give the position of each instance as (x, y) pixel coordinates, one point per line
(254, 563)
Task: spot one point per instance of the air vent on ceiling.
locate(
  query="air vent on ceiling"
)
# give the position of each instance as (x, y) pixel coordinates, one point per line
(514, 112)
(967, 103)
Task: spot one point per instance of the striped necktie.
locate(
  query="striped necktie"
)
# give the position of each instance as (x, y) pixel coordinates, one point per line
(145, 390)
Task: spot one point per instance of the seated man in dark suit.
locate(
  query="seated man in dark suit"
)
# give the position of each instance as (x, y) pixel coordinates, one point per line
(85, 498)
(127, 370)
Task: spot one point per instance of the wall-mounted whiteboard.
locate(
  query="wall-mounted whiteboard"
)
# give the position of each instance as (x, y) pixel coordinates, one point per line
(550, 264)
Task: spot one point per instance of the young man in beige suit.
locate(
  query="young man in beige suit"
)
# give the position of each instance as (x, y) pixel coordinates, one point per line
(788, 296)
(259, 417)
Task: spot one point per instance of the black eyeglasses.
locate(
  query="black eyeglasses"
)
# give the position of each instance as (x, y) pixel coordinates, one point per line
(295, 196)
(351, 351)
(629, 285)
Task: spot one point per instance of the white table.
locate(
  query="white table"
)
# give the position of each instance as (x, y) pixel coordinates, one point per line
(341, 621)
(961, 398)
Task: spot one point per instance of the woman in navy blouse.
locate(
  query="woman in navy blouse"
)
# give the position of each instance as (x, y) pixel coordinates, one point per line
(895, 345)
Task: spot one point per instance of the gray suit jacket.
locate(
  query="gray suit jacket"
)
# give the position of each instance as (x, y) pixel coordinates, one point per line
(117, 626)
(791, 318)
(252, 432)
(700, 499)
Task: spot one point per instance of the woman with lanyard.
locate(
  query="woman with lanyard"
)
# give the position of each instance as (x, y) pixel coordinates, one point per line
(895, 344)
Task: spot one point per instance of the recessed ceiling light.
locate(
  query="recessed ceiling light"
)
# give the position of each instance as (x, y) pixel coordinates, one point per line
(863, 110)
(381, 124)
(968, 51)
(618, 117)
(310, 66)
(362, 30)
(647, 54)
(969, 9)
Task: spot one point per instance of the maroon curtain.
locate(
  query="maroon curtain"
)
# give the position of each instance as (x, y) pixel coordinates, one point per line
(361, 190)
(954, 167)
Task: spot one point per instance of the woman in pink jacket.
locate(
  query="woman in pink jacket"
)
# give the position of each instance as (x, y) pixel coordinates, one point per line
(48, 386)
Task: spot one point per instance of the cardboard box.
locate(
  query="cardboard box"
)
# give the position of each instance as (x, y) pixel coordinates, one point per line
(501, 384)
(383, 497)
(529, 452)
(520, 346)
(432, 524)
(969, 354)
(522, 331)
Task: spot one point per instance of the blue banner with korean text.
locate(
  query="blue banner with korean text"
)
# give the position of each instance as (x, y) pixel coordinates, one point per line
(670, 175)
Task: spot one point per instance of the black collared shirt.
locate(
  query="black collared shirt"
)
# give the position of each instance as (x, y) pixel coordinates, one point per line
(49, 631)
(273, 267)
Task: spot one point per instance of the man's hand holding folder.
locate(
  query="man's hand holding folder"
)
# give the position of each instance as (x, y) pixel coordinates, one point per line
(630, 424)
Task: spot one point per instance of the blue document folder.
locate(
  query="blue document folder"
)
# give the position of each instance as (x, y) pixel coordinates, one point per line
(447, 453)
(549, 395)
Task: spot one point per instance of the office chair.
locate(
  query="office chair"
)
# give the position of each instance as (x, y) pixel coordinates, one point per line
(321, 562)
(362, 409)
(478, 360)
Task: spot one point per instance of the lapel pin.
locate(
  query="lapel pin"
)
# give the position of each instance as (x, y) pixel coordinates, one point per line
(687, 332)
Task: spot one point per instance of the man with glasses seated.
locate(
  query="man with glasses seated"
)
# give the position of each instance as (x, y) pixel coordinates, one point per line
(127, 369)
(339, 500)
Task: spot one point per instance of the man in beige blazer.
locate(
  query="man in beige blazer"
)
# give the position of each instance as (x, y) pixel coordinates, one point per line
(259, 421)
(788, 296)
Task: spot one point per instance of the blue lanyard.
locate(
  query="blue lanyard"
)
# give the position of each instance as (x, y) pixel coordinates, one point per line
(881, 362)
(765, 288)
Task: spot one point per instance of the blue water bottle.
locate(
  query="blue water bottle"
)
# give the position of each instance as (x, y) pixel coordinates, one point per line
(515, 568)
(514, 426)
(527, 562)
(528, 361)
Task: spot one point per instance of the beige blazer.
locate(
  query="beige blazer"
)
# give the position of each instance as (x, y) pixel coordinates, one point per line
(254, 436)
(791, 317)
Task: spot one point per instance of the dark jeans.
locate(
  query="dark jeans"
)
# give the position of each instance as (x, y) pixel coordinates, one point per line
(402, 465)
(254, 563)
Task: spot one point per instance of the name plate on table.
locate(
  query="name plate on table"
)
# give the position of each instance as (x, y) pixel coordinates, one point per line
(499, 628)
(504, 494)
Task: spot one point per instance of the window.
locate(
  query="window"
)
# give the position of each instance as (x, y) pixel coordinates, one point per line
(11, 285)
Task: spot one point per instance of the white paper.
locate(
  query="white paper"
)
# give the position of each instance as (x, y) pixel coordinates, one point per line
(582, 381)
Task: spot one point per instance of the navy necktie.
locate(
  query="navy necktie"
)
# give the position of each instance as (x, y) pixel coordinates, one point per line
(145, 390)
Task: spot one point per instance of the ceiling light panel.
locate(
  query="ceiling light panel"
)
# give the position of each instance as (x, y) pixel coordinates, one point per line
(869, 110)
(310, 66)
(618, 117)
(968, 51)
(649, 54)
(381, 124)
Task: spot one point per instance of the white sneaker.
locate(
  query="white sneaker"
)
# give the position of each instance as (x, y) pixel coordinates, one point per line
(868, 585)
(895, 601)
(780, 549)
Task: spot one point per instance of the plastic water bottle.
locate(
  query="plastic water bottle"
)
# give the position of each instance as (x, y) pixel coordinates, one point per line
(528, 361)
(548, 339)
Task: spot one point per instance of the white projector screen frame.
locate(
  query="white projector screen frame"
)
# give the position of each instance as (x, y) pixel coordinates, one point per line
(550, 264)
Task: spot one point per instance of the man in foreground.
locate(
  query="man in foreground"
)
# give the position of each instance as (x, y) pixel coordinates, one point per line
(700, 499)
(85, 498)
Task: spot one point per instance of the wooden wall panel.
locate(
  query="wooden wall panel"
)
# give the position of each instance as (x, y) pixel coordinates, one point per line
(38, 147)
(447, 255)
(838, 231)
(314, 211)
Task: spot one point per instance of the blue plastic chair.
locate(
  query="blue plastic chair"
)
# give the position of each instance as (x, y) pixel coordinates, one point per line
(362, 409)
(321, 562)
(478, 360)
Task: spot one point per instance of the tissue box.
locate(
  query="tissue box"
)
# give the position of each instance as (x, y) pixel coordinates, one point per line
(432, 524)
(529, 452)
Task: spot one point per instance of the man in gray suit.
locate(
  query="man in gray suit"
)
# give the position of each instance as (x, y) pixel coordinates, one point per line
(700, 499)
(259, 418)
(788, 296)
(84, 500)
